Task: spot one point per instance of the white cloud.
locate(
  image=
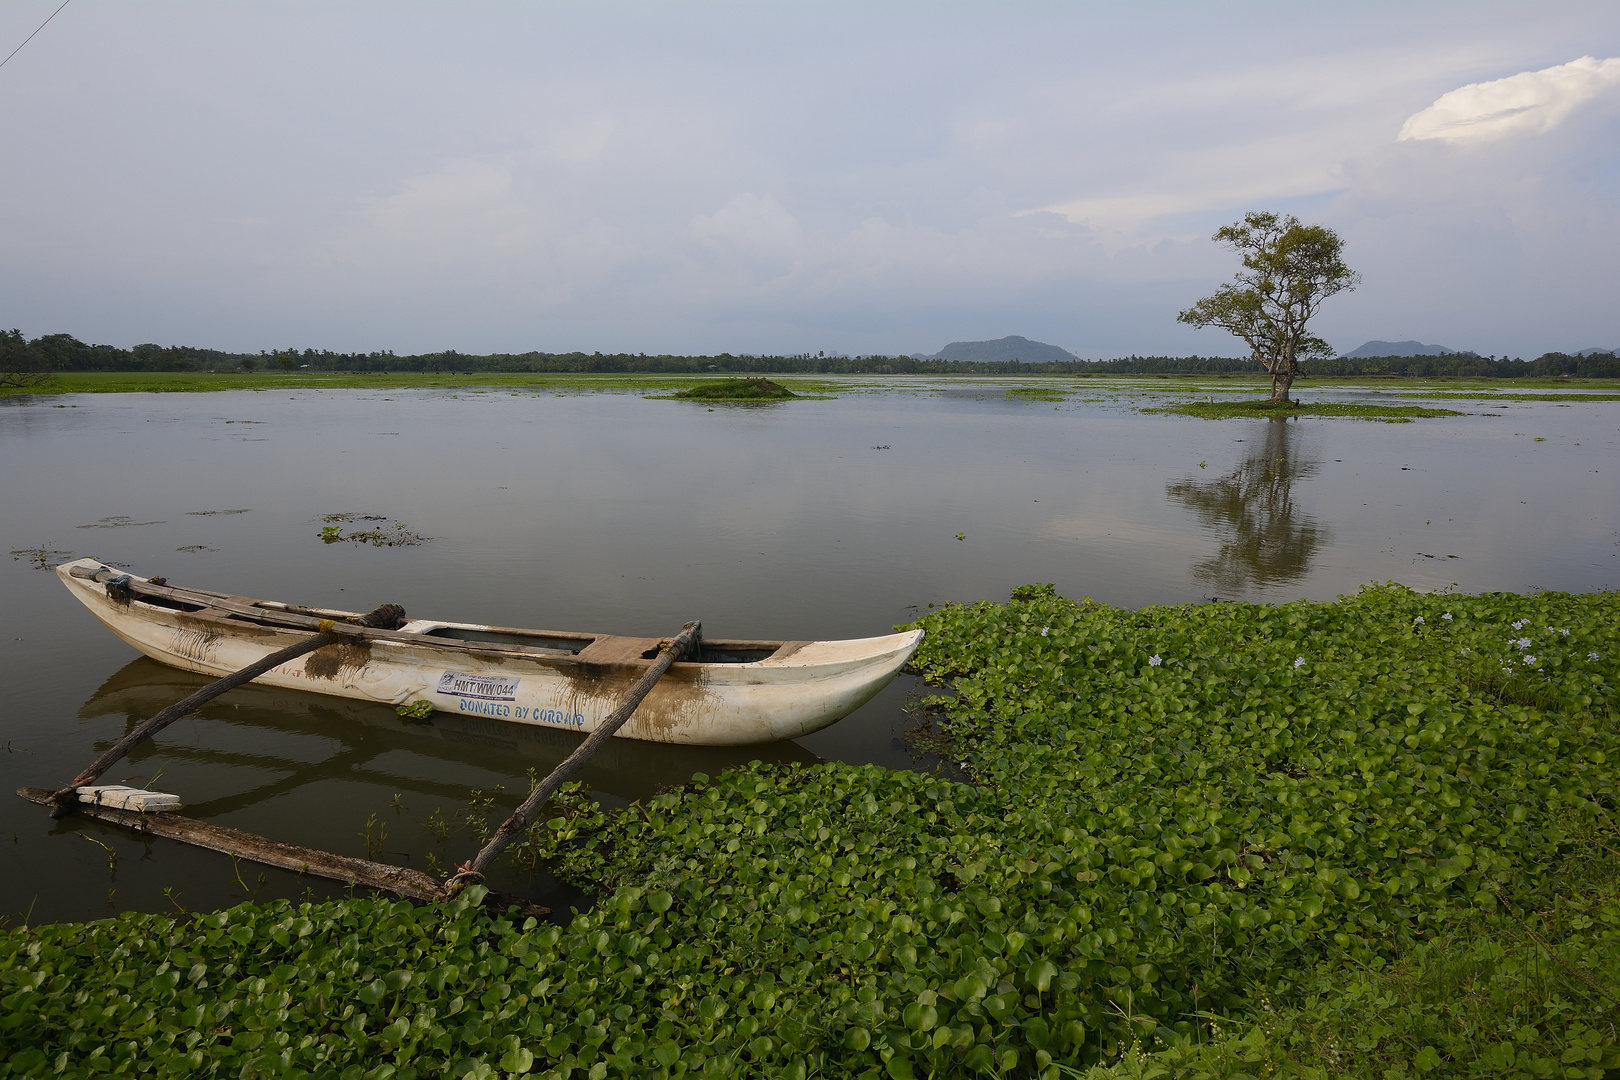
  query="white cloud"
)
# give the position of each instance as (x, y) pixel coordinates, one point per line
(754, 224)
(1204, 145)
(466, 215)
(579, 140)
(1531, 101)
(1120, 219)
(470, 200)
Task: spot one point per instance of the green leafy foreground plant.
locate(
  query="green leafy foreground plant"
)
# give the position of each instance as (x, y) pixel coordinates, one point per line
(1372, 837)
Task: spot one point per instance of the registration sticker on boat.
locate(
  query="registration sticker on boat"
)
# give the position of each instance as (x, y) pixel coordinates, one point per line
(482, 687)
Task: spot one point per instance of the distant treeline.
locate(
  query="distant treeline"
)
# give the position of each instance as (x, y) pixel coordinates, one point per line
(1547, 365)
(64, 352)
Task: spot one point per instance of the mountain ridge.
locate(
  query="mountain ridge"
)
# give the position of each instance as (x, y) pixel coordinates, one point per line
(1012, 347)
(1398, 348)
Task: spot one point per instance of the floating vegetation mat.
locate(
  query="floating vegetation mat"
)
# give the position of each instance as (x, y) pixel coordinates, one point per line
(1036, 393)
(377, 536)
(42, 558)
(118, 521)
(1221, 410)
(737, 390)
(1507, 395)
(1370, 838)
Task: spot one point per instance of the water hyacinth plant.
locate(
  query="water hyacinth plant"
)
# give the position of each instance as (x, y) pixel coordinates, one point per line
(1393, 859)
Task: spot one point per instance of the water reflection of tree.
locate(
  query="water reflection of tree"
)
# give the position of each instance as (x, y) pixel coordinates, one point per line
(1266, 538)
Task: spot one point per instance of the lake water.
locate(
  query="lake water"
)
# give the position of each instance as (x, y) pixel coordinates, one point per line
(610, 512)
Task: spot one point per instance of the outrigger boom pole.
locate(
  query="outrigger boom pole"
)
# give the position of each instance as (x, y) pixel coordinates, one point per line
(472, 873)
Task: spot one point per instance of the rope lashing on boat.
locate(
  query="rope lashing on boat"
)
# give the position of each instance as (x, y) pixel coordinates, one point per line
(472, 873)
(65, 800)
(121, 587)
(118, 589)
(387, 617)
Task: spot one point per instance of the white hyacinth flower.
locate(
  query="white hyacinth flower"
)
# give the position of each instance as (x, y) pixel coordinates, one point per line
(1154, 661)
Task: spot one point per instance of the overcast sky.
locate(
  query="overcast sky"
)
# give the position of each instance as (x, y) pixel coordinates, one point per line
(772, 177)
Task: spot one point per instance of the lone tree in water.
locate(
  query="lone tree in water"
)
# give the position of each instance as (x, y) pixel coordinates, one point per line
(1288, 270)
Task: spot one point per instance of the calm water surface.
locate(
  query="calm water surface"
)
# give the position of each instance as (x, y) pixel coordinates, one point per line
(610, 512)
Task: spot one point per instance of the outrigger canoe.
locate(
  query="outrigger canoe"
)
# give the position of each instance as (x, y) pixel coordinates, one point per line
(727, 693)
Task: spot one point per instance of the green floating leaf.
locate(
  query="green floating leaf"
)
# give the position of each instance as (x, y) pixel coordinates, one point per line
(919, 1017)
(970, 988)
(517, 1060)
(1040, 975)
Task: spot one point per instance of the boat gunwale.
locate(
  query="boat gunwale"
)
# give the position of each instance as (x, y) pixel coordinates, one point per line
(218, 607)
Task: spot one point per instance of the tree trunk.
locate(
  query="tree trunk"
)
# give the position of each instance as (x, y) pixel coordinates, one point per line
(1281, 381)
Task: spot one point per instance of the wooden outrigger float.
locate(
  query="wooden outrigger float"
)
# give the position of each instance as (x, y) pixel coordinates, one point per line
(169, 824)
(722, 693)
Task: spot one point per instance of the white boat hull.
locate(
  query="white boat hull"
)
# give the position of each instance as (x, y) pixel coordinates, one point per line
(792, 689)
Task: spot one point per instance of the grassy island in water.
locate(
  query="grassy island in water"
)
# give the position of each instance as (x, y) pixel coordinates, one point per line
(738, 390)
(1370, 838)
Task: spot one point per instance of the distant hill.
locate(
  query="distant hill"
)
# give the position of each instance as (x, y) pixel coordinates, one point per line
(1596, 352)
(1399, 348)
(1007, 348)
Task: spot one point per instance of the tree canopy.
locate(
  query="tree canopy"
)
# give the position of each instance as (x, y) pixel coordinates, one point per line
(1288, 270)
(19, 367)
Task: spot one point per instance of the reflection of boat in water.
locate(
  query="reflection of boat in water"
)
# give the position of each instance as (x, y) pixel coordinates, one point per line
(728, 693)
(368, 735)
